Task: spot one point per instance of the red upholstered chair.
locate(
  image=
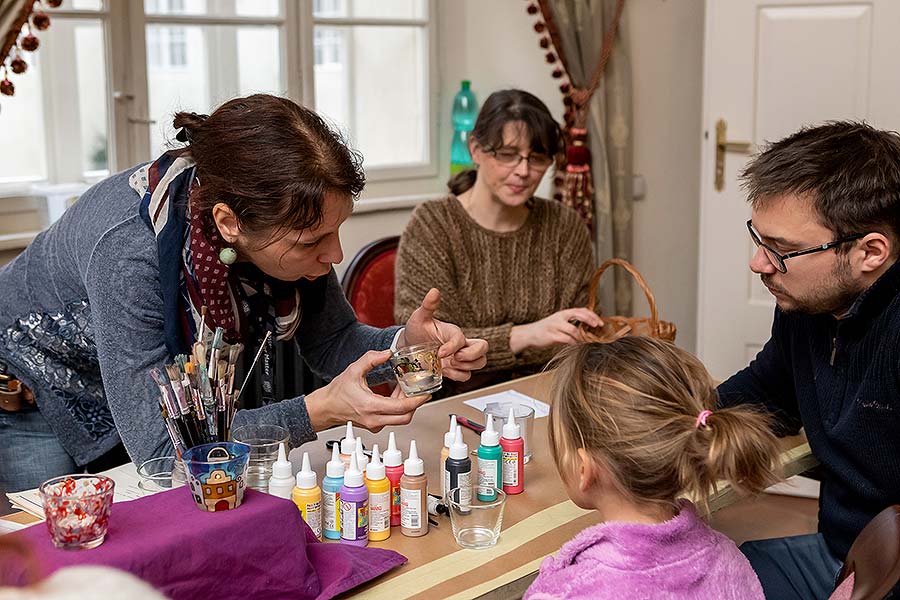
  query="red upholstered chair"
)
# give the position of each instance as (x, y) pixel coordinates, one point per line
(369, 282)
(369, 286)
(873, 562)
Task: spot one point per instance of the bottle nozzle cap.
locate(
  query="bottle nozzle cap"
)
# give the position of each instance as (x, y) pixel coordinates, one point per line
(306, 477)
(375, 468)
(353, 477)
(335, 466)
(451, 432)
(349, 442)
(282, 466)
(459, 449)
(511, 429)
(413, 465)
(392, 456)
(490, 437)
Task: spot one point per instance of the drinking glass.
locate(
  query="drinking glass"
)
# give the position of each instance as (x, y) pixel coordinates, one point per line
(76, 509)
(263, 441)
(162, 473)
(524, 415)
(418, 368)
(476, 523)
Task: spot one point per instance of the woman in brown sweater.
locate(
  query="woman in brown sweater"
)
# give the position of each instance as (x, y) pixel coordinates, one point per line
(512, 269)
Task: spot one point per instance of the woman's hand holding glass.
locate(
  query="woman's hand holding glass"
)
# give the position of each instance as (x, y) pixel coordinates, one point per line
(349, 398)
(558, 328)
(459, 355)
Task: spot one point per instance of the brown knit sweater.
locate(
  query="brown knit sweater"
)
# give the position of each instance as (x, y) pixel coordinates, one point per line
(490, 281)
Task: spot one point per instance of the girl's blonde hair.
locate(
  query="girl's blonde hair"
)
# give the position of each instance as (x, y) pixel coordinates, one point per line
(634, 404)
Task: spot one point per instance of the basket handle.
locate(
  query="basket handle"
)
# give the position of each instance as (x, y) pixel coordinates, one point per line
(595, 280)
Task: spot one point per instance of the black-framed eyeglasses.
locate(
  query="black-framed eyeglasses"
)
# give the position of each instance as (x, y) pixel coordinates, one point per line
(510, 159)
(777, 259)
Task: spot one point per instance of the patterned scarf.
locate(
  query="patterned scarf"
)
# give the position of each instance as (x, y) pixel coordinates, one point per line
(240, 298)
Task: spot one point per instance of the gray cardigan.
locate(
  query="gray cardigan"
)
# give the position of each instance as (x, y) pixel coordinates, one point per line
(81, 324)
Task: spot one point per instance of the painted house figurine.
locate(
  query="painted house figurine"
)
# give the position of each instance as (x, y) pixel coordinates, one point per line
(219, 491)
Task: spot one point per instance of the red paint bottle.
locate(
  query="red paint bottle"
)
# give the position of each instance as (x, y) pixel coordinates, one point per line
(513, 447)
(393, 470)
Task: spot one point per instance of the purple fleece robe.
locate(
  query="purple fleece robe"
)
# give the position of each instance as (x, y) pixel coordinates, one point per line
(678, 559)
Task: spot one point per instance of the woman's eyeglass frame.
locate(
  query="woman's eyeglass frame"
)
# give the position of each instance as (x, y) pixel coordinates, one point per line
(536, 162)
(778, 259)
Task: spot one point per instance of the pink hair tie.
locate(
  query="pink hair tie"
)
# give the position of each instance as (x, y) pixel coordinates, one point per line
(701, 418)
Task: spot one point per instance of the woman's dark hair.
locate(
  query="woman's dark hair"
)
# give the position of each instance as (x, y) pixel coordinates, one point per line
(271, 161)
(850, 171)
(545, 136)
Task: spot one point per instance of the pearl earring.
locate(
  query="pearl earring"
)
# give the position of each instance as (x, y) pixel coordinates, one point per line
(227, 256)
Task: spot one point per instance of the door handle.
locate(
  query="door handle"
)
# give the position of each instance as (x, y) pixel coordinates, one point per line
(723, 146)
(142, 121)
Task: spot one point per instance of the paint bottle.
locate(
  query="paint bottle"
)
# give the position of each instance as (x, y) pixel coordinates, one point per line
(413, 495)
(361, 459)
(331, 495)
(445, 452)
(281, 483)
(513, 447)
(379, 499)
(308, 497)
(459, 470)
(348, 445)
(490, 460)
(354, 507)
(393, 470)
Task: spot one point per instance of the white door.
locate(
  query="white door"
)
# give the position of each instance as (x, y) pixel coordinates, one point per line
(772, 66)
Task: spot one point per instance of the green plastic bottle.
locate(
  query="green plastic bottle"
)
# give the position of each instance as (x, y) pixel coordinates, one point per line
(490, 464)
(465, 111)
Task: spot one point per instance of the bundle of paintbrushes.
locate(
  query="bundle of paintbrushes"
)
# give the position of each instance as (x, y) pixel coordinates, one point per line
(197, 395)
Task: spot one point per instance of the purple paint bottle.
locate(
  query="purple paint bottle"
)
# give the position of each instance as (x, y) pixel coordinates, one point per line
(354, 507)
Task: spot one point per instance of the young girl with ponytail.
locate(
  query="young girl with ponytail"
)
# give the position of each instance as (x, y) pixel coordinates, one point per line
(634, 432)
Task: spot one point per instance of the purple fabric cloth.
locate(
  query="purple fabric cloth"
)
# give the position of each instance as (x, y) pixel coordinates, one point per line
(262, 549)
(682, 558)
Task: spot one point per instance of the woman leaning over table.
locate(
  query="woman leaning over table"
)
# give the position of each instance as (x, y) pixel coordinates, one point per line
(244, 220)
(514, 268)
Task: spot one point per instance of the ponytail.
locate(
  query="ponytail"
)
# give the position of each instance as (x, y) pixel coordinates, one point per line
(462, 181)
(736, 445)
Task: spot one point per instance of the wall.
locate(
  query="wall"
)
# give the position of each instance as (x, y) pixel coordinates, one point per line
(666, 39)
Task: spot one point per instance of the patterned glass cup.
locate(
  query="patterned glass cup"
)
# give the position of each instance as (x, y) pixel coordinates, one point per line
(418, 368)
(76, 508)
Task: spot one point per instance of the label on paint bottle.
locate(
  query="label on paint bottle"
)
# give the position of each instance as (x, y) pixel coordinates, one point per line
(379, 512)
(464, 483)
(511, 468)
(312, 514)
(332, 501)
(487, 473)
(354, 520)
(410, 508)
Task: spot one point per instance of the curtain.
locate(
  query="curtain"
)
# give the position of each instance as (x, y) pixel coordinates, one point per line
(581, 25)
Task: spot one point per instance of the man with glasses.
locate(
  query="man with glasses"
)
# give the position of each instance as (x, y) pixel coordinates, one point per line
(826, 225)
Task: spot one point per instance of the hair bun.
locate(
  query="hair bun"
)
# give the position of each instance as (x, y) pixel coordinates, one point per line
(187, 123)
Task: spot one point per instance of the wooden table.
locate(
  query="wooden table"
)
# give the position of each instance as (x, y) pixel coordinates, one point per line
(535, 523)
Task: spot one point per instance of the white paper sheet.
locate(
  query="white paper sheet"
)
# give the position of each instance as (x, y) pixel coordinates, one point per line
(802, 487)
(125, 477)
(541, 409)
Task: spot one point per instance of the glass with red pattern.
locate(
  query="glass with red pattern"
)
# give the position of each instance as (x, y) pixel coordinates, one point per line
(76, 508)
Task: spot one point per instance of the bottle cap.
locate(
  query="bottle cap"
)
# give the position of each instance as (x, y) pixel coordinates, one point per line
(413, 465)
(459, 449)
(335, 466)
(353, 477)
(489, 437)
(348, 444)
(392, 456)
(282, 467)
(361, 459)
(511, 429)
(451, 432)
(306, 477)
(375, 469)
(465, 84)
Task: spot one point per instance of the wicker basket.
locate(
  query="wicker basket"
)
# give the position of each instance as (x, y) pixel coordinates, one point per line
(615, 327)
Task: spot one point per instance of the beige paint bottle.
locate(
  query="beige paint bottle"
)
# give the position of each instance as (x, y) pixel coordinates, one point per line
(413, 495)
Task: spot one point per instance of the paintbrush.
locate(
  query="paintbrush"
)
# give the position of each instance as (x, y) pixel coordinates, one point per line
(259, 352)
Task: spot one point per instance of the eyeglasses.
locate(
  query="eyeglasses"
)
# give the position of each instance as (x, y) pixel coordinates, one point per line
(511, 159)
(777, 259)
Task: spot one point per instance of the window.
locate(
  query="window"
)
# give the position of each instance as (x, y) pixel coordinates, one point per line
(109, 76)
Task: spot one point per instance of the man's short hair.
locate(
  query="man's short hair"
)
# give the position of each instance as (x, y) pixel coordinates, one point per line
(850, 171)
